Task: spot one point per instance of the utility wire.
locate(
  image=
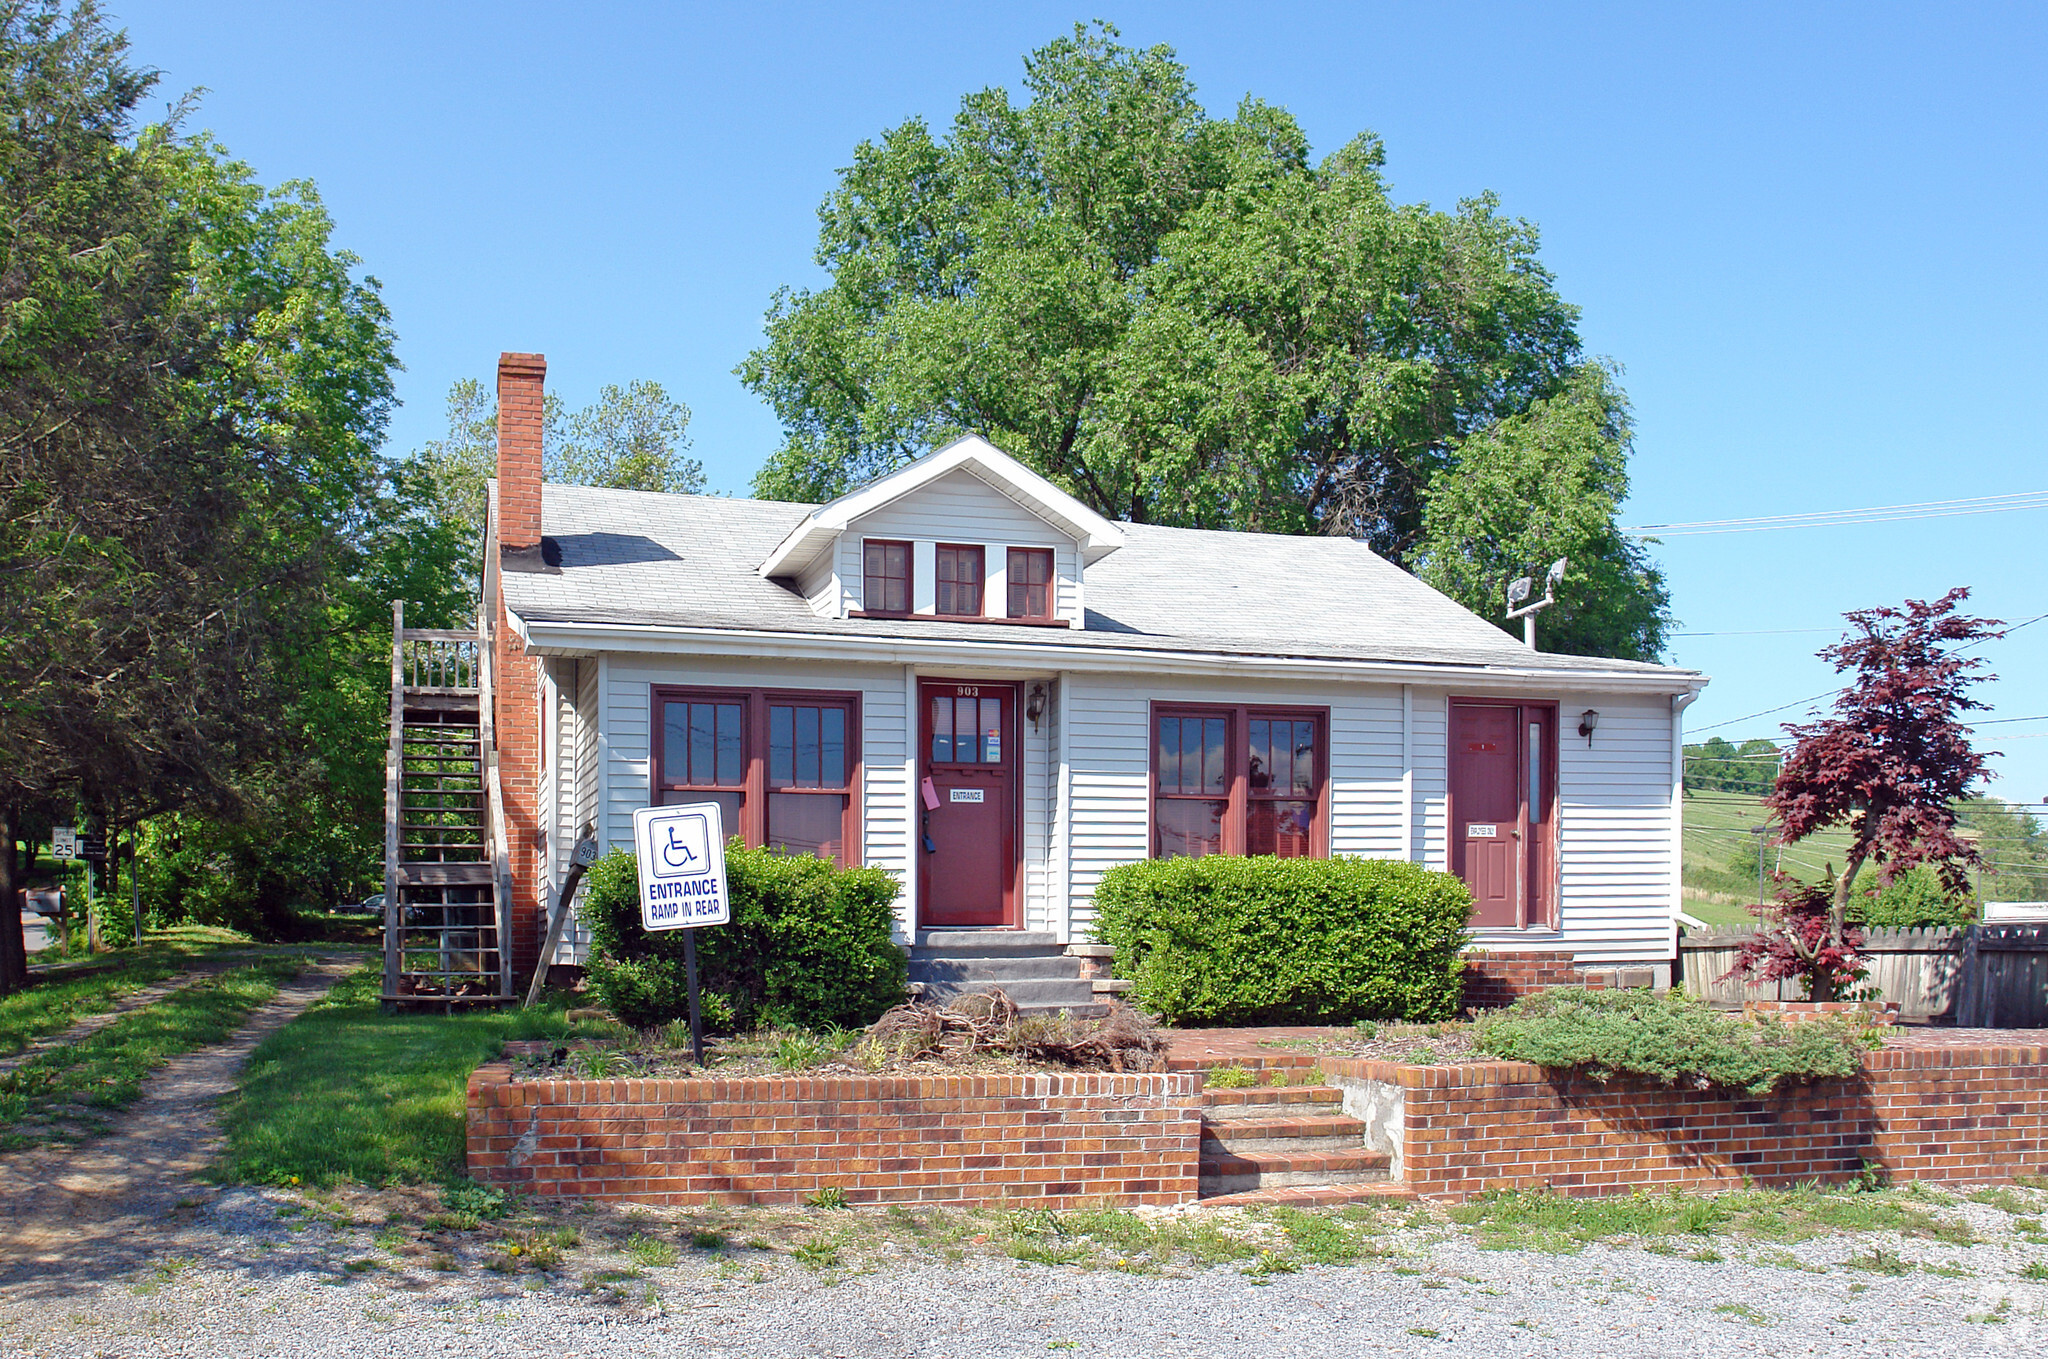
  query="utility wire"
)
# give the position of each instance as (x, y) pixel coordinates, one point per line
(1874, 514)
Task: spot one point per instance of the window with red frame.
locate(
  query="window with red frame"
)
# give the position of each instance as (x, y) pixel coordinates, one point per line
(886, 583)
(780, 765)
(959, 581)
(1238, 780)
(1029, 579)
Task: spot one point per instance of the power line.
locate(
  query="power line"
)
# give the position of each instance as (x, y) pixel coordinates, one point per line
(1874, 514)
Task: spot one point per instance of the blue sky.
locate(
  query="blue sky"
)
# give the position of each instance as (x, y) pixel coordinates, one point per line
(1812, 238)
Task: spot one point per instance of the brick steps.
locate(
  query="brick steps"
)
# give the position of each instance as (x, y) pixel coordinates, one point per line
(1285, 1135)
(1232, 1172)
(1297, 1101)
(1313, 1195)
(1283, 1143)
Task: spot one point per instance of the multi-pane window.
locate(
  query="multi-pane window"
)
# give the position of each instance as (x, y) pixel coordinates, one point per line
(967, 730)
(886, 587)
(958, 572)
(1029, 578)
(781, 766)
(1237, 781)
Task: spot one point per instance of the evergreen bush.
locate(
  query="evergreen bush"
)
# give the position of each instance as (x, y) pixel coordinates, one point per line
(808, 946)
(1231, 940)
(1669, 1038)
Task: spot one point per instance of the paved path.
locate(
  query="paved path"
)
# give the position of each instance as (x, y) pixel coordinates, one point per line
(83, 1208)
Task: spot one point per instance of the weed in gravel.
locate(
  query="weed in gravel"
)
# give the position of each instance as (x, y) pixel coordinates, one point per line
(1785, 1259)
(703, 1239)
(1425, 1332)
(1267, 1264)
(651, 1251)
(831, 1196)
(1949, 1271)
(2004, 1200)
(1880, 1261)
(1743, 1312)
(612, 1276)
(816, 1253)
(1704, 1256)
(1236, 1076)
(1859, 1288)
(1995, 1317)
(442, 1263)
(391, 1238)
(471, 1199)
(451, 1222)
(2036, 1270)
(1321, 1240)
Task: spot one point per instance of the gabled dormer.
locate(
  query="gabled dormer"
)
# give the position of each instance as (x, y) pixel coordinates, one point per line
(966, 533)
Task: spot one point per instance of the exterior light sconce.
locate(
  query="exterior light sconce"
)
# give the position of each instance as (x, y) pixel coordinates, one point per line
(1034, 704)
(1588, 720)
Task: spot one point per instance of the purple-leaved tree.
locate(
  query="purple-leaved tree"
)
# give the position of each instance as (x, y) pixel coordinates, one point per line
(1890, 764)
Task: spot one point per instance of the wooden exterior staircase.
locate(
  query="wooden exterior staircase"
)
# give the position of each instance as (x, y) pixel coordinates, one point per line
(447, 885)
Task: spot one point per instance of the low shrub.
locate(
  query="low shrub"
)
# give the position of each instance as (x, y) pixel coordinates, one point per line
(1230, 940)
(1913, 900)
(1669, 1038)
(808, 946)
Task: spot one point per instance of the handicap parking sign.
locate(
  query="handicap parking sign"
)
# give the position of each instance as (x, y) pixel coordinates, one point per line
(681, 852)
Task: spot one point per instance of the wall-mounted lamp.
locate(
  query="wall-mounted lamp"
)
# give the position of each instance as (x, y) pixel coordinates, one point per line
(1588, 720)
(1034, 704)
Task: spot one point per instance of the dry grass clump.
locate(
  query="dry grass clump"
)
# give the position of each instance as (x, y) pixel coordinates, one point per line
(988, 1025)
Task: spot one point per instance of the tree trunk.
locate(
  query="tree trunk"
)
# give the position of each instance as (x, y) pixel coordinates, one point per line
(13, 948)
(1822, 984)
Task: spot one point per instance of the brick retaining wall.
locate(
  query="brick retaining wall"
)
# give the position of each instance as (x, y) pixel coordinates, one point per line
(1945, 1114)
(1026, 1140)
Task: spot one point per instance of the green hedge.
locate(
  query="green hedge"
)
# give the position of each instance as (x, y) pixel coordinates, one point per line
(1228, 940)
(808, 945)
(1668, 1038)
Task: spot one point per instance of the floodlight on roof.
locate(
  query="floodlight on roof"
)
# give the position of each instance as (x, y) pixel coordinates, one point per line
(1519, 591)
(1555, 576)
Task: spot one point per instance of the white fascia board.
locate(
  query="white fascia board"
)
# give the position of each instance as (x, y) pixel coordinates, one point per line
(1097, 535)
(584, 639)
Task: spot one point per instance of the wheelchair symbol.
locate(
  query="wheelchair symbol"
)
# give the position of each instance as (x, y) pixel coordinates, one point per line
(675, 853)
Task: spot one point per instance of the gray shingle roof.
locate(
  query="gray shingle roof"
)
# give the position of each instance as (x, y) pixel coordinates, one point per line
(631, 557)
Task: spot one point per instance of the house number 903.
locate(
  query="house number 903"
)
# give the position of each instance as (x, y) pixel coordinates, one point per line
(967, 691)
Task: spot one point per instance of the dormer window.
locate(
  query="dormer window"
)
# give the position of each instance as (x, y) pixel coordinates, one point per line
(1030, 580)
(887, 569)
(959, 574)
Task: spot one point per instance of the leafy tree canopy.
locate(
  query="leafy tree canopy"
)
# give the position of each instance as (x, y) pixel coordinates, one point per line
(1184, 319)
(631, 438)
(1718, 764)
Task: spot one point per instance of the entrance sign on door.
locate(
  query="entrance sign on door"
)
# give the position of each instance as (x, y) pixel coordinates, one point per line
(966, 794)
(681, 850)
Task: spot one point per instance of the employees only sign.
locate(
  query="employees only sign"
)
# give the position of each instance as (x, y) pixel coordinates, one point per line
(681, 853)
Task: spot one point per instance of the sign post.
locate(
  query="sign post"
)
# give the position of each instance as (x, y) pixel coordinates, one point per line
(681, 854)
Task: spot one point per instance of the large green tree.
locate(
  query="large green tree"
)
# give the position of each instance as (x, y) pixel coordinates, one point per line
(193, 384)
(1186, 319)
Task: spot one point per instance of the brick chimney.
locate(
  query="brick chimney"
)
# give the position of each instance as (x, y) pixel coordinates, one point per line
(521, 379)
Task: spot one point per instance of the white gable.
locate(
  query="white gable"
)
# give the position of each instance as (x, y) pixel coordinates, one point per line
(1094, 536)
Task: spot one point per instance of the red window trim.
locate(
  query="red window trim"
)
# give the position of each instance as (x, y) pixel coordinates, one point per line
(1545, 904)
(909, 577)
(1051, 583)
(753, 827)
(1235, 817)
(981, 589)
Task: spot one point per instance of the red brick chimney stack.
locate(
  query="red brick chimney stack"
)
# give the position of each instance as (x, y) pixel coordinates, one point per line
(521, 380)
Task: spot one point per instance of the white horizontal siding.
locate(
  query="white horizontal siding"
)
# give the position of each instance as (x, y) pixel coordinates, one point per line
(1616, 827)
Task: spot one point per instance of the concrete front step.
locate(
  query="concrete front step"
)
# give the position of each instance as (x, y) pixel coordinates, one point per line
(982, 943)
(1269, 1101)
(1314, 1195)
(1285, 1136)
(1002, 969)
(1029, 993)
(1231, 1173)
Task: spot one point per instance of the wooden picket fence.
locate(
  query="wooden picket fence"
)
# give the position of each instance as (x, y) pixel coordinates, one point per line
(1981, 976)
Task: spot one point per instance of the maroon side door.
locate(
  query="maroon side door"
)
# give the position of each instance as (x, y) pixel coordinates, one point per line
(1486, 810)
(968, 840)
(1503, 810)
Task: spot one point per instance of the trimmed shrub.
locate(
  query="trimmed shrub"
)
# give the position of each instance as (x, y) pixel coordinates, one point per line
(1669, 1038)
(808, 946)
(1231, 940)
(1913, 900)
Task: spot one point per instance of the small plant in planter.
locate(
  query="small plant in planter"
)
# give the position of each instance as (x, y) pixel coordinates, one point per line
(1891, 765)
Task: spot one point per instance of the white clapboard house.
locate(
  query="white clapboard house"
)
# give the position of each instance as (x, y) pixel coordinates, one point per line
(964, 676)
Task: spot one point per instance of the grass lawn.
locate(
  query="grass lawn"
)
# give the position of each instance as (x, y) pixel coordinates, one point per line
(65, 1093)
(347, 1092)
(59, 997)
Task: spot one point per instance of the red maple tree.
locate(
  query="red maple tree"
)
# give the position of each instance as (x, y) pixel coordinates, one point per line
(1891, 764)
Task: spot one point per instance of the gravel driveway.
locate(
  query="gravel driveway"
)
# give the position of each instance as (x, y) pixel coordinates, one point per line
(232, 1276)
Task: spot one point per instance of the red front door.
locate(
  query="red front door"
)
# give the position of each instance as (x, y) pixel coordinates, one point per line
(967, 804)
(1501, 810)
